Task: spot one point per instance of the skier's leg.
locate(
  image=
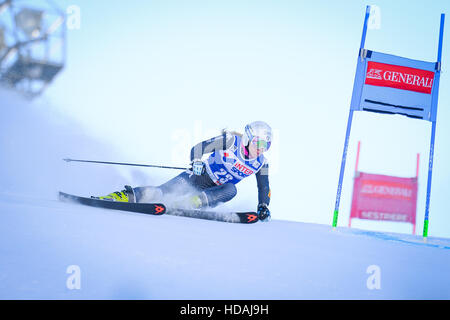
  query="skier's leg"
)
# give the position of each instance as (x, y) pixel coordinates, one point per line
(187, 190)
(175, 186)
(212, 196)
(178, 185)
(200, 191)
(147, 194)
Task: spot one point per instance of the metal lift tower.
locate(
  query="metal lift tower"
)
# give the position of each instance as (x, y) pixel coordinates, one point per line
(32, 45)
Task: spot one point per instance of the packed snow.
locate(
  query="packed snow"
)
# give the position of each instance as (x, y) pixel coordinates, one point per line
(55, 250)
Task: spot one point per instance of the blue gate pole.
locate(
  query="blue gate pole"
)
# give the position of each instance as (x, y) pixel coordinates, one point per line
(430, 172)
(347, 134)
(433, 133)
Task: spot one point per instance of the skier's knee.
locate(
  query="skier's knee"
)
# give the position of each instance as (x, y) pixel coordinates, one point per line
(148, 194)
(220, 194)
(230, 191)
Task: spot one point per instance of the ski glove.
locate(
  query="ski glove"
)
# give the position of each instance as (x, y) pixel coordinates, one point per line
(198, 167)
(263, 212)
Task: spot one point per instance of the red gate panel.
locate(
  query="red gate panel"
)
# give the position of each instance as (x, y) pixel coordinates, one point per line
(381, 197)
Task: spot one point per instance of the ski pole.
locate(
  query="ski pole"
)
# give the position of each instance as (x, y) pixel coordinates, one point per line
(124, 164)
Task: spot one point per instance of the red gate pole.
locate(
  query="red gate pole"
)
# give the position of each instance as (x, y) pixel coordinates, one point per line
(357, 157)
(417, 177)
(417, 167)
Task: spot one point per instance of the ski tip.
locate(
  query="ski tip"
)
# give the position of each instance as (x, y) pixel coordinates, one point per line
(63, 195)
(159, 209)
(146, 208)
(248, 217)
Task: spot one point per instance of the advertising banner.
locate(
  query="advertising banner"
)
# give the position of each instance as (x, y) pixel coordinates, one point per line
(381, 197)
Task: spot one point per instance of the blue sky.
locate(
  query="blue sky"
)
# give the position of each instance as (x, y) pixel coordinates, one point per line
(152, 78)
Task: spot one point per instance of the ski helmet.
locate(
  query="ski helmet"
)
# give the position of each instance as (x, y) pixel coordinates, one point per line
(259, 133)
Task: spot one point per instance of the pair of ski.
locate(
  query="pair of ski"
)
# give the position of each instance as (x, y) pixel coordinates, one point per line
(159, 209)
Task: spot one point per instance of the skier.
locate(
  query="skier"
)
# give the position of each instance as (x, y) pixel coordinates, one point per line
(232, 157)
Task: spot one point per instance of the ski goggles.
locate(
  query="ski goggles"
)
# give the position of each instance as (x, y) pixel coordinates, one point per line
(260, 143)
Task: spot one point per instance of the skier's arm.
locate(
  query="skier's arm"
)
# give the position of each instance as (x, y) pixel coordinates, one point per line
(262, 179)
(221, 142)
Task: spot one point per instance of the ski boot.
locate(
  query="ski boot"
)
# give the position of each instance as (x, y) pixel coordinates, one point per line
(199, 201)
(195, 202)
(126, 195)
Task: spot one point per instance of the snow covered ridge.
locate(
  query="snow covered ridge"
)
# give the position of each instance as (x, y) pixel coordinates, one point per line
(68, 251)
(55, 250)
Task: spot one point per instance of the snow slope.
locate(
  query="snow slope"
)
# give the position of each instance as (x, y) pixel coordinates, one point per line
(131, 256)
